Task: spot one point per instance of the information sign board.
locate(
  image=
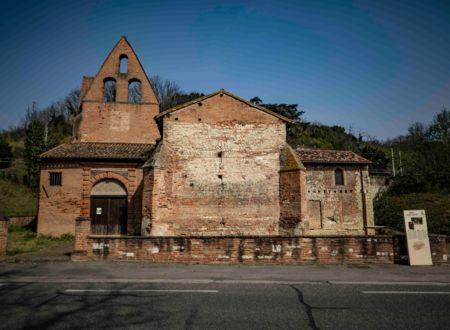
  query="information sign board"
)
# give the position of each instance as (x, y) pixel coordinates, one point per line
(417, 237)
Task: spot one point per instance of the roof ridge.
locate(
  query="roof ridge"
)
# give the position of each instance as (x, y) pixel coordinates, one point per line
(94, 150)
(223, 91)
(54, 148)
(333, 150)
(91, 142)
(330, 156)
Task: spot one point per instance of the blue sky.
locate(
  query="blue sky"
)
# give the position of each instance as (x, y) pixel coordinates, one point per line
(374, 66)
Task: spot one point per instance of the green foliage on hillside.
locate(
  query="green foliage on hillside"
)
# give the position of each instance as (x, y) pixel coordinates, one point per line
(425, 183)
(6, 154)
(318, 136)
(389, 210)
(425, 150)
(17, 199)
(35, 144)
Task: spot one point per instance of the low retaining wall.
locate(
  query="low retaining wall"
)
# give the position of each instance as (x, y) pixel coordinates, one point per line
(233, 250)
(3, 236)
(438, 247)
(247, 250)
(20, 221)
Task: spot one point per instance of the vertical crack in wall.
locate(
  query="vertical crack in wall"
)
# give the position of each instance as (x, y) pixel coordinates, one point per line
(222, 186)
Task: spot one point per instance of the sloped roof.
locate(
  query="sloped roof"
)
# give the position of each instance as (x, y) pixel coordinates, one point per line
(289, 159)
(329, 156)
(222, 91)
(95, 150)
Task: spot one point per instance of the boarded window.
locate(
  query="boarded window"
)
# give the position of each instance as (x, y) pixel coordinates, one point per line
(134, 91)
(55, 178)
(109, 90)
(315, 214)
(338, 177)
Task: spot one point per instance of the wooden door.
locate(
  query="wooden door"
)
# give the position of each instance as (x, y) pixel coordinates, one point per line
(109, 215)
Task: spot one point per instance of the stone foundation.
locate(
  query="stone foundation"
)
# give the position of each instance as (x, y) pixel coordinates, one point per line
(3, 236)
(234, 250)
(20, 221)
(295, 250)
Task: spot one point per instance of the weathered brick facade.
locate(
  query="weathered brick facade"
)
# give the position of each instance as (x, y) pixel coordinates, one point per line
(338, 209)
(216, 166)
(59, 206)
(294, 250)
(99, 150)
(119, 120)
(216, 174)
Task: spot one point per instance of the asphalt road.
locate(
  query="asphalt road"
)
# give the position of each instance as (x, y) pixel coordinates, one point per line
(109, 305)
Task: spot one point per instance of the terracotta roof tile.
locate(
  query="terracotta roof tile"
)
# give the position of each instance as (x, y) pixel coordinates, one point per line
(329, 156)
(93, 150)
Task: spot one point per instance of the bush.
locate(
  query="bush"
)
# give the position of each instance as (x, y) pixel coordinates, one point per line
(389, 210)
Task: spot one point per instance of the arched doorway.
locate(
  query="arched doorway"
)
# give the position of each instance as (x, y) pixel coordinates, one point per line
(109, 208)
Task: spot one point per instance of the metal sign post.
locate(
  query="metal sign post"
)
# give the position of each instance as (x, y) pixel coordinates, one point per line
(417, 237)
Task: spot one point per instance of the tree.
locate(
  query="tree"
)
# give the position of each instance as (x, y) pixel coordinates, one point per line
(439, 130)
(72, 102)
(256, 100)
(169, 93)
(184, 97)
(6, 153)
(295, 129)
(34, 146)
(287, 110)
(135, 92)
(376, 155)
(425, 183)
(166, 92)
(427, 156)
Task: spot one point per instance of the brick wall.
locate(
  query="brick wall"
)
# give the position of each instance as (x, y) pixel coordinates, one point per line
(438, 246)
(3, 236)
(216, 171)
(118, 121)
(238, 249)
(335, 210)
(248, 249)
(60, 205)
(20, 221)
(291, 198)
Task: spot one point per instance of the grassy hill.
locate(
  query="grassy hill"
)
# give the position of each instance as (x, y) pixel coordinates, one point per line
(17, 199)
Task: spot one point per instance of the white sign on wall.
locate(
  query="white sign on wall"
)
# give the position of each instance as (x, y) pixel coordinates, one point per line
(98, 211)
(417, 237)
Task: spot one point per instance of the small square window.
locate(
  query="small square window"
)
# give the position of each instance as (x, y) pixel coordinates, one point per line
(55, 178)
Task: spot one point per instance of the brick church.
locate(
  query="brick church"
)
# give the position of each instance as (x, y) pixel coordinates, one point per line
(215, 166)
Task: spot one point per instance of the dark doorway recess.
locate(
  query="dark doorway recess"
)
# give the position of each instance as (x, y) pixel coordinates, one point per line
(109, 215)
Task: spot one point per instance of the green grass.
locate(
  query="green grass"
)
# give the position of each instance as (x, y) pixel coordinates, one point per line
(17, 200)
(23, 240)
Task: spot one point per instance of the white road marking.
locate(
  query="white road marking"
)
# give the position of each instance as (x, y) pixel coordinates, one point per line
(411, 283)
(405, 292)
(138, 291)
